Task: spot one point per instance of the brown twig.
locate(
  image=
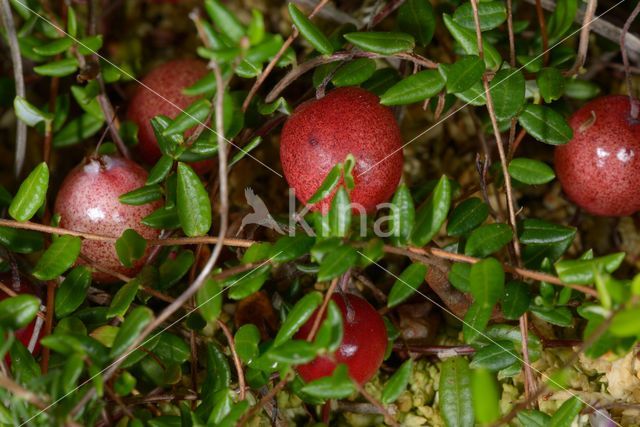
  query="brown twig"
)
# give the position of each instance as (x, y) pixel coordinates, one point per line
(543, 32)
(48, 324)
(583, 46)
(318, 320)
(234, 356)
(625, 59)
(389, 419)
(266, 398)
(272, 64)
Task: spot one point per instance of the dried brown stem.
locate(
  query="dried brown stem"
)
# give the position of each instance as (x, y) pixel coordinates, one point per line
(389, 419)
(234, 356)
(583, 46)
(323, 308)
(543, 32)
(265, 399)
(625, 59)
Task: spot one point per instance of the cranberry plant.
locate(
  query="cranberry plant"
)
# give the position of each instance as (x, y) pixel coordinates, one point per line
(432, 271)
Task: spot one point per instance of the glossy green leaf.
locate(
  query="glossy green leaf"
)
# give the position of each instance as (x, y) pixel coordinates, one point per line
(133, 325)
(559, 316)
(539, 232)
(246, 340)
(252, 145)
(467, 216)
(193, 115)
(194, 206)
(29, 113)
(488, 239)
(475, 95)
(459, 276)
(142, 195)
(561, 19)
(249, 283)
(417, 87)
(298, 316)
(354, 72)
(533, 418)
(60, 68)
(90, 45)
(73, 367)
(462, 74)
(54, 47)
(162, 218)
(60, 256)
(581, 89)
(507, 93)
(516, 299)
(407, 284)
(337, 262)
(172, 270)
(309, 31)
(529, 171)
(582, 271)
(225, 20)
(469, 42)
(625, 323)
(418, 18)
(209, 299)
(328, 185)
(551, 84)
(21, 241)
(17, 312)
(485, 396)
(495, 356)
(336, 386)
(123, 298)
(77, 130)
(402, 216)
(31, 194)
(486, 283)
(567, 412)
(491, 15)
(288, 248)
(455, 393)
(397, 383)
(384, 43)
(293, 352)
(340, 214)
(72, 291)
(331, 331)
(130, 247)
(433, 213)
(545, 124)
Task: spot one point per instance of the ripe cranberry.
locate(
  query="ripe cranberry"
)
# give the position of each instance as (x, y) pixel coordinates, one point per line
(363, 344)
(88, 202)
(321, 133)
(30, 335)
(161, 94)
(599, 169)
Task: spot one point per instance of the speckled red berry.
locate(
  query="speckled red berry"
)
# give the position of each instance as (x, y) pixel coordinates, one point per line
(363, 344)
(599, 169)
(30, 335)
(321, 133)
(88, 201)
(161, 94)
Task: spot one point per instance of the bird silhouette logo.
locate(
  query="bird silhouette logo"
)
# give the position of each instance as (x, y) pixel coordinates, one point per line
(260, 214)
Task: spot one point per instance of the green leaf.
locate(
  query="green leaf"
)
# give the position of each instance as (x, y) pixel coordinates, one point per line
(565, 415)
(467, 216)
(288, 248)
(491, 15)
(581, 89)
(130, 247)
(417, 87)
(516, 299)
(475, 95)
(194, 114)
(172, 270)
(459, 276)
(61, 68)
(561, 19)
(60, 256)
(337, 262)
(407, 284)
(533, 418)
(529, 171)
(354, 72)
(495, 356)
(625, 324)
(90, 45)
(384, 43)
(560, 316)
(254, 143)
(143, 195)
(249, 283)
(226, 21)
(123, 298)
(132, 326)
(158, 172)
(488, 239)
(462, 74)
(78, 129)
(298, 316)
(582, 271)
(485, 396)
(455, 393)
(417, 18)
(540, 232)
(246, 340)
(507, 93)
(402, 216)
(328, 185)
(469, 42)
(397, 383)
(194, 206)
(551, 84)
(309, 31)
(17, 312)
(54, 47)
(29, 113)
(293, 352)
(331, 331)
(486, 282)
(336, 386)
(209, 299)
(431, 216)
(162, 218)
(545, 125)
(73, 367)
(72, 291)
(340, 214)
(21, 241)
(31, 194)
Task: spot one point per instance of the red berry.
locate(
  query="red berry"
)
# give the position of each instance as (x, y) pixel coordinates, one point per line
(88, 202)
(161, 94)
(321, 133)
(363, 344)
(30, 335)
(599, 169)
